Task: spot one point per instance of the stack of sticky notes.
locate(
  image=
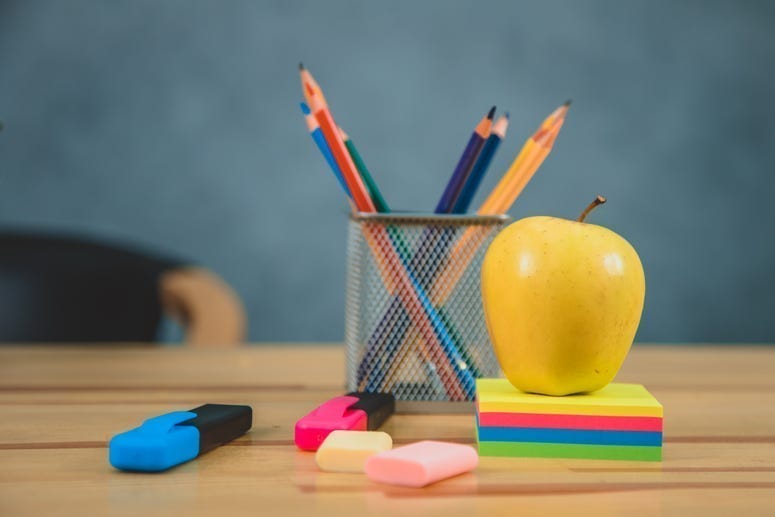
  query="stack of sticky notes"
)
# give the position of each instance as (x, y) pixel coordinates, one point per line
(618, 422)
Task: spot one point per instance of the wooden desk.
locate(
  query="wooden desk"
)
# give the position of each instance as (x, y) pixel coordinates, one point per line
(59, 406)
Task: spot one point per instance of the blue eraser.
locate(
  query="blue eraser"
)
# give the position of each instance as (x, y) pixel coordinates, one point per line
(174, 438)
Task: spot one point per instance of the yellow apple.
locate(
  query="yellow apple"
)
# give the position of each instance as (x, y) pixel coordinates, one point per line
(562, 300)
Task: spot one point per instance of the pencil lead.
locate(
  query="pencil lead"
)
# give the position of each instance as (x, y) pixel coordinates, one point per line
(304, 108)
(506, 115)
(301, 65)
(567, 103)
(491, 113)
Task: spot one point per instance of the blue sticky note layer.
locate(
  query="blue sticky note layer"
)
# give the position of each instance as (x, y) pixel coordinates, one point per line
(570, 436)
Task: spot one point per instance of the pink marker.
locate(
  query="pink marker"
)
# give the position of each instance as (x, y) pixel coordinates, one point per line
(354, 412)
(420, 464)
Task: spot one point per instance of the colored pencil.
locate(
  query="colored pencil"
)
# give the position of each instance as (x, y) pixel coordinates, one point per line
(465, 164)
(307, 79)
(320, 141)
(558, 113)
(481, 165)
(342, 157)
(376, 196)
(498, 197)
(541, 149)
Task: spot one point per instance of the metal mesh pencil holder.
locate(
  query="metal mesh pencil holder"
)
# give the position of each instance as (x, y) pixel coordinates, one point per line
(414, 324)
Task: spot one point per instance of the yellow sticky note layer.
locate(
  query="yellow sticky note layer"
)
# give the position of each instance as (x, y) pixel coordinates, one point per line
(498, 395)
(347, 451)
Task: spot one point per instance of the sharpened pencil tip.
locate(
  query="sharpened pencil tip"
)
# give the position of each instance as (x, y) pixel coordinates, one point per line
(304, 108)
(567, 103)
(506, 115)
(491, 113)
(301, 65)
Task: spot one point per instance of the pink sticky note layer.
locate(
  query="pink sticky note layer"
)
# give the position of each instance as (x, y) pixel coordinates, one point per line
(556, 421)
(420, 464)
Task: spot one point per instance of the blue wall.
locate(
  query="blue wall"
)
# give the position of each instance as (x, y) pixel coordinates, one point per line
(175, 125)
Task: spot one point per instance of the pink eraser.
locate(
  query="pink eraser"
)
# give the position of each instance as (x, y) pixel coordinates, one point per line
(421, 463)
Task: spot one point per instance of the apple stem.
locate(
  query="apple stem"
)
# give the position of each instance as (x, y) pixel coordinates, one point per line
(599, 200)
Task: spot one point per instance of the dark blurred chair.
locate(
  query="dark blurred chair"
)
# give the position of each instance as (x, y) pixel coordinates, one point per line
(58, 289)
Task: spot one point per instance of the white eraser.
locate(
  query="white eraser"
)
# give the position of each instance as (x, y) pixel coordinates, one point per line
(347, 451)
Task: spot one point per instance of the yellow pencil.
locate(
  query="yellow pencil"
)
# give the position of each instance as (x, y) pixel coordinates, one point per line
(540, 149)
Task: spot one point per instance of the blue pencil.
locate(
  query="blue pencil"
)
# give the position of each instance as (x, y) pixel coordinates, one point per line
(317, 136)
(482, 164)
(466, 163)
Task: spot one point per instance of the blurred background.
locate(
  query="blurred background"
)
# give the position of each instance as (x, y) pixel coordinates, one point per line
(174, 126)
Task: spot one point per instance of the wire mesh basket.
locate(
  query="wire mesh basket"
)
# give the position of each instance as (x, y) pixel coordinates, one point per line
(414, 324)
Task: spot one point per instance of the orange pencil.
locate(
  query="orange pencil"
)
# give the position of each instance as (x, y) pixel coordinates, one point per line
(306, 78)
(342, 157)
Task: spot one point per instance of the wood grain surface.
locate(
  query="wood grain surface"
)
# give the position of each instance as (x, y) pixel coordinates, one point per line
(59, 407)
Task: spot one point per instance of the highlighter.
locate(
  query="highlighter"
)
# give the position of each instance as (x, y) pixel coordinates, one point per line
(168, 440)
(356, 411)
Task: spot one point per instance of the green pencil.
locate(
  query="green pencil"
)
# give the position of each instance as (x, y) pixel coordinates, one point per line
(371, 186)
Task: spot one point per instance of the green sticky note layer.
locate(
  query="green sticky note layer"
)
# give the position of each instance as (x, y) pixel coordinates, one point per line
(616, 399)
(564, 450)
